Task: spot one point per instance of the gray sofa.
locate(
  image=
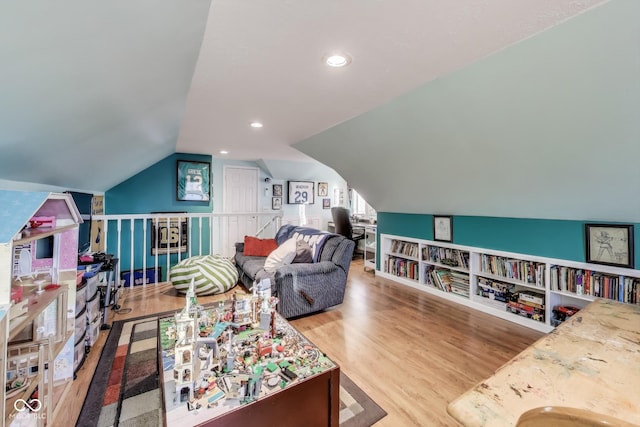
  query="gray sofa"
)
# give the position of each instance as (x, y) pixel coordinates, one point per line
(303, 288)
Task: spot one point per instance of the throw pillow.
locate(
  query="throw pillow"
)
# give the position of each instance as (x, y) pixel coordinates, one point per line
(315, 241)
(258, 247)
(283, 255)
(303, 252)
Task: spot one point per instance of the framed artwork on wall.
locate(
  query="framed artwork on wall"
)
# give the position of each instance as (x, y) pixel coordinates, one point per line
(169, 235)
(323, 189)
(276, 203)
(326, 203)
(443, 228)
(609, 244)
(301, 193)
(277, 190)
(194, 181)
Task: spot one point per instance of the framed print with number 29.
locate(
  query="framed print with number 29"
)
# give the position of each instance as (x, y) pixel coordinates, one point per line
(301, 193)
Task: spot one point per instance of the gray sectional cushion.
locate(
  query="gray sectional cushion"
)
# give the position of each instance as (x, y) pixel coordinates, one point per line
(303, 287)
(253, 265)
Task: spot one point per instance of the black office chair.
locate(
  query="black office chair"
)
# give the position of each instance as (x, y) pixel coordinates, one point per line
(344, 227)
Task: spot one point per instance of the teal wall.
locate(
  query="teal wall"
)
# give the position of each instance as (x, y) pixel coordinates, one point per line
(152, 190)
(561, 239)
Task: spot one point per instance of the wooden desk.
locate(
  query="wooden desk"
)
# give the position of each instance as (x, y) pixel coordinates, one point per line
(591, 361)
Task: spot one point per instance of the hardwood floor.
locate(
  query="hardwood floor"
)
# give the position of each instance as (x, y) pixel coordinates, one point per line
(411, 352)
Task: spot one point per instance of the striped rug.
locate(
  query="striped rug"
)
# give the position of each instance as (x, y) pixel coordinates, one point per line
(125, 389)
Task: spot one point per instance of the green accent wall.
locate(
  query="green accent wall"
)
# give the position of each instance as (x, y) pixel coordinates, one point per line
(561, 239)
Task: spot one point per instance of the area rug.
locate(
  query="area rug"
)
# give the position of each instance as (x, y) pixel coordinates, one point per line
(125, 389)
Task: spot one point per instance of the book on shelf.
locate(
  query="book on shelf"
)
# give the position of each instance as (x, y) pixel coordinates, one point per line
(494, 290)
(402, 267)
(442, 279)
(529, 272)
(446, 256)
(595, 284)
(404, 248)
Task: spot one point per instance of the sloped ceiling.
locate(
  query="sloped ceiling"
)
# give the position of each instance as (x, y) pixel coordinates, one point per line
(93, 92)
(506, 103)
(548, 128)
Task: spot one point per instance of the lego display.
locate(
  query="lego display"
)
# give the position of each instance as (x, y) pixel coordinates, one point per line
(219, 358)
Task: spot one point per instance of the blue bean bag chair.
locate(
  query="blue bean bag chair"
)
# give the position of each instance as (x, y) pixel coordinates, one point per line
(213, 274)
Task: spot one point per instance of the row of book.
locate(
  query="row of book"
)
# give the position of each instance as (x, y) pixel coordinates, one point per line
(402, 267)
(404, 248)
(448, 281)
(446, 256)
(596, 284)
(494, 290)
(529, 272)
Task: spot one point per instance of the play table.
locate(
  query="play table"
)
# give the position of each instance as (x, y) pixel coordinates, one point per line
(255, 380)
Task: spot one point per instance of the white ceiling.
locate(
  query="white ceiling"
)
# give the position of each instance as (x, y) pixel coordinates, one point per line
(125, 83)
(262, 60)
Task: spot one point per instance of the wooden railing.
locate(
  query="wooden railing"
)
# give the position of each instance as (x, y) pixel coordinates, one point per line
(158, 241)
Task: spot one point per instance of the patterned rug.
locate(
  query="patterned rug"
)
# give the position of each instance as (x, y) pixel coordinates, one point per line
(125, 389)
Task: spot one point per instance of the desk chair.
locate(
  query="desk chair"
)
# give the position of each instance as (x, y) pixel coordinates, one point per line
(344, 227)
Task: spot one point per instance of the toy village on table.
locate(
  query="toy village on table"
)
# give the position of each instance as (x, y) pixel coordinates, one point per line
(220, 357)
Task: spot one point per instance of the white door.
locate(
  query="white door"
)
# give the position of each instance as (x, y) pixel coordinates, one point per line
(240, 196)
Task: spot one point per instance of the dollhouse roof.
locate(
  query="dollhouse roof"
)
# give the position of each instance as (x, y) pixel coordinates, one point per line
(18, 207)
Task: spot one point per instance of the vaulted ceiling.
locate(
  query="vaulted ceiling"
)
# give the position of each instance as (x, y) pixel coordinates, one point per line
(93, 93)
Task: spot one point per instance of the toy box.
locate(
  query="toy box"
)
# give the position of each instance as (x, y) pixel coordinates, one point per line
(152, 275)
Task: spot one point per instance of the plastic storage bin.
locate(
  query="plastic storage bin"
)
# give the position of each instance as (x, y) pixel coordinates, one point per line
(93, 308)
(79, 353)
(81, 298)
(80, 325)
(93, 331)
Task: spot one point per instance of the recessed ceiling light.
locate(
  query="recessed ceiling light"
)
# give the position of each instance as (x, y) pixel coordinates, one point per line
(256, 125)
(337, 60)
(224, 152)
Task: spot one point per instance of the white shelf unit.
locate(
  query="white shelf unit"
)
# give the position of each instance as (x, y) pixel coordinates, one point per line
(464, 274)
(370, 242)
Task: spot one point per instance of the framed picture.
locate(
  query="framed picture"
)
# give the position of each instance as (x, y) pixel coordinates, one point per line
(323, 189)
(277, 190)
(326, 203)
(276, 203)
(169, 235)
(609, 244)
(443, 228)
(194, 181)
(301, 193)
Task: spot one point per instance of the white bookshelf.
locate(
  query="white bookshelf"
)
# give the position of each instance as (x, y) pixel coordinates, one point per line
(552, 280)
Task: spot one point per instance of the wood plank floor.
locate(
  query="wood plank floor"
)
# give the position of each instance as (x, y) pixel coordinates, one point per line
(410, 351)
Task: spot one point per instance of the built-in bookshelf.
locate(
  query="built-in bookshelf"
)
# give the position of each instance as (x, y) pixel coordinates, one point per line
(521, 288)
(446, 269)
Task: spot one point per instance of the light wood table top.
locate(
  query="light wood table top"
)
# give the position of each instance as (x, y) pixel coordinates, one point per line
(591, 361)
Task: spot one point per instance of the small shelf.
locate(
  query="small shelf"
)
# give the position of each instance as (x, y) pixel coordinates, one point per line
(448, 267)
(36, 305)
(588, 298)
(509, 280)
(40, 233)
